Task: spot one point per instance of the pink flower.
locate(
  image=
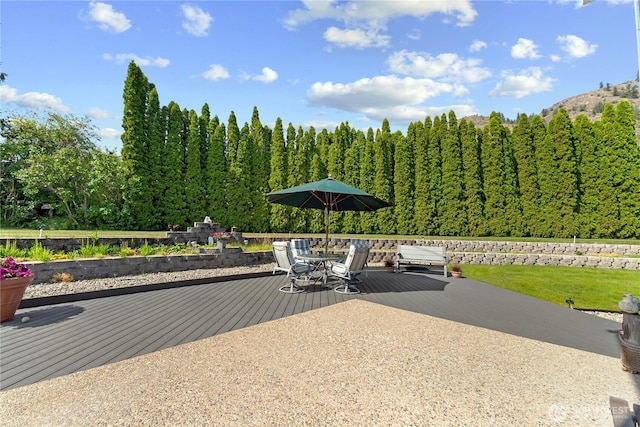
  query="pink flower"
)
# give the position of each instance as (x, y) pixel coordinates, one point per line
(10, 268)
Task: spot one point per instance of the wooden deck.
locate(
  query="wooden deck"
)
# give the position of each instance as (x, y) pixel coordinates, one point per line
(64, 337)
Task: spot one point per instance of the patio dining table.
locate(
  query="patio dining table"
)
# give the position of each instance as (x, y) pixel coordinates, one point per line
(320, 263)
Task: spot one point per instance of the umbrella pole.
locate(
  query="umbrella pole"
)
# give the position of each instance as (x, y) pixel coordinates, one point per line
(326, 230)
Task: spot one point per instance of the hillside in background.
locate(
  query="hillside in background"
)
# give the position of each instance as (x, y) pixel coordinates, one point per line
(589, 103)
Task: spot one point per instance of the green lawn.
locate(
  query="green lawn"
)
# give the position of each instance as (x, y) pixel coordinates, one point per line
(592, 288)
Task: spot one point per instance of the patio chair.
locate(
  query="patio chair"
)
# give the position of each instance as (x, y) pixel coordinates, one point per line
(300, 247)
(286, 262)
(350, 269)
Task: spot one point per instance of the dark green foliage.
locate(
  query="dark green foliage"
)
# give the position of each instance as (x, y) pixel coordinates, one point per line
(445, 176)
(138, 195)
(216, 174)
(433, 197)
(557, 176)
(154, 145)
(383, 184)
(351, 220)
(494, 172)
(368, 220)
(421, 185)
(472, 178)
(525, 157)
(623, 151)
(193, 183)
(279, 216)
(454, 217)
(173, 207)
(597, 211)
(404, 180)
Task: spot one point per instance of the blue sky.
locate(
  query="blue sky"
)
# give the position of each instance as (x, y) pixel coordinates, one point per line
(314, 62)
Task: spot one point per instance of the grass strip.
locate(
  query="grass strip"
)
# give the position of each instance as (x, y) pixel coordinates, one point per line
(589, 288)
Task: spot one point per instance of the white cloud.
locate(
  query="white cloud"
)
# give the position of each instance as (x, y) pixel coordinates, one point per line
(377, 93)
(268, 75)
(197, 21)
(109, 133)
(525, 49)
(364, 21)
(36, 100)
(447, 66)
(575, 46)
(525, 83)
(358, 38)
(107, 18)
(414, 34)
(215, 72)
(477, 45)
(98, 113)
(121, 58)
(378, 11)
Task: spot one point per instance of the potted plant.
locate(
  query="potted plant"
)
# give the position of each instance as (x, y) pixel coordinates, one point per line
(221, 238)
(389, 265)
(456, 270)
(14, 279)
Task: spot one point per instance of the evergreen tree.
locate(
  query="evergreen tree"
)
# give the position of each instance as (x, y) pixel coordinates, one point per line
(433, 197)
(597, 213)
(216, 173)
(351, 220)
(422, 166)
(233, 139)
(383, 150)
(258, 161)
(472, 178)
(513, 204)
(240, 194)
(155, 144)
(297, 173)
(279, 216)
(368, 220)
(404, 188)
(538, 134)
(624, 152)
(454, 221)
(557, 175)
(173, 170)
(138, 196)
(205, 120)
(493, 172)
(194, 190)
(524, 152)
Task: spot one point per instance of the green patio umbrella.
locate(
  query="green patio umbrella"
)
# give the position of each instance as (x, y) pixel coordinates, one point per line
(330, 195)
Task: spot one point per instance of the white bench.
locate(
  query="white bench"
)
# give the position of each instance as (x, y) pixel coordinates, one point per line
(430, 255)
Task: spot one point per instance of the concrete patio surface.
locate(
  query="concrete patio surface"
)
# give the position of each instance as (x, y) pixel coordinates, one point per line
(352, 363)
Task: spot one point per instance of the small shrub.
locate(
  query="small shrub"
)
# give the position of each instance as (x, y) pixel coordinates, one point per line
(126, 251)
(455, 267)
(39, 253)
(61, 277)
(10, 249)
(146, 249)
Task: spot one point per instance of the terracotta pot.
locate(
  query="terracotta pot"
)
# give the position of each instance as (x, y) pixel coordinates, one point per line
(11, 292)
(456, 274)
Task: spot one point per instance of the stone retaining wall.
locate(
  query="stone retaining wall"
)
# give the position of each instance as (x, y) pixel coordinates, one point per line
(463, 252)
(91, 268)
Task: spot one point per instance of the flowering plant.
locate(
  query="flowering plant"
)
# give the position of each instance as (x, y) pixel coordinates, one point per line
(221, 235)
(10, 268)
